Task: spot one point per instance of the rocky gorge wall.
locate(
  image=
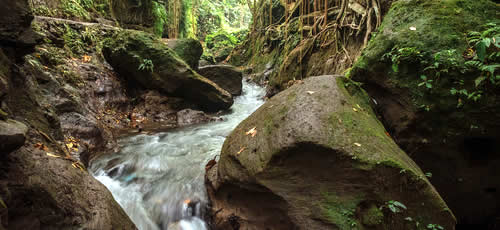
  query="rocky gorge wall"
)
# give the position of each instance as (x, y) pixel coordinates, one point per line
(62, 104)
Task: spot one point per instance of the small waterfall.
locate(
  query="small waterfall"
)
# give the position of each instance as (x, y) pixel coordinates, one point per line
(159, 179)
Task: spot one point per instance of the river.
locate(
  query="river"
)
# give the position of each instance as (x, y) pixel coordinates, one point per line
(158, 179)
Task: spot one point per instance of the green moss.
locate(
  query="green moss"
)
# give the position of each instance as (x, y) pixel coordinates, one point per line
(373, 216)
(340, 210)
(74, 9)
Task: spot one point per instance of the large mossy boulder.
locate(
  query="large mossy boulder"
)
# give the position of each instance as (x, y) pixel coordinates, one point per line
(142, 59)
(316, 157)
(226, 76)
(189, 49)
(418, 69)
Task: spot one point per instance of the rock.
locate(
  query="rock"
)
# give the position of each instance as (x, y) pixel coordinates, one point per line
(227, 77)
(49, 193)
(189, 49)
(315, 157)
(12, 135)
(190, 117)
(15, 21)
(452, 136)
(142, 59)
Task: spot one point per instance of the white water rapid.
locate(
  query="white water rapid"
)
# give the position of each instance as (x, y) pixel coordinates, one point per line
(159, 179)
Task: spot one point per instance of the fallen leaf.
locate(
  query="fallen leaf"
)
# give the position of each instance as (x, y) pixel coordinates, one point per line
(340, 121)
(310, 92)
(252, 132)
(77, 165)
(241, 150)
(87, 58)
(187, 201)
(387, 134)
(413, 28)
(357, 144)
(70, 145)
(53, 155)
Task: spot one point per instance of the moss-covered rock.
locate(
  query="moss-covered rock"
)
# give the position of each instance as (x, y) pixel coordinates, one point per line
(318, 148)
(142, 59)
(189, 49)
(453, 136)
(226, 76)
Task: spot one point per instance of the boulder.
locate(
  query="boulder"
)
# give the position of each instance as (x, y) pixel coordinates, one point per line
(189, 49)
(227, 77)
(190, 117)
(315, 157)
(142, 59)
(12, 135)
(455, 136)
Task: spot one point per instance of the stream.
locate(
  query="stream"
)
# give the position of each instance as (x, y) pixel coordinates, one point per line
(158, 179)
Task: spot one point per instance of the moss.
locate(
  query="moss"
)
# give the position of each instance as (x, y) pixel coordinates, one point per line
(373, 216)
(340, 210)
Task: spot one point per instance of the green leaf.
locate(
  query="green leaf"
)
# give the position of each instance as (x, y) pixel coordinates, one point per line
(395, 67)
(481, 50)
(453, 91)
(399, 204)
(423, 77)
(479, 80)
(428, 85)
(421, 84)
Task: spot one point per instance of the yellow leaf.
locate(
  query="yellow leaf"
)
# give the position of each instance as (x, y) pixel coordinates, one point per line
(357, 144)
(252, 132)
(70, 145)
(358, 106)
(75, 149)
(355, 110)
(53, 155)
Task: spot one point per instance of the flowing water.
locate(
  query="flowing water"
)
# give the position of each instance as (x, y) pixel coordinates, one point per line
(159, 179)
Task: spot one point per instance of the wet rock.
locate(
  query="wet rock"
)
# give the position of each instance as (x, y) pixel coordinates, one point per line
(190, 117)
(455, 138)
(316, 157)
(12, 135)
(226, 76)
(142, 59)
(189, 49)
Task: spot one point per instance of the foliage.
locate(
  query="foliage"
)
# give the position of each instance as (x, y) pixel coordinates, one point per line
(405, 54)
(395, 206)
(147, 65)
(435, 227)
(486, 59)
(426, 82)
(160, 18)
